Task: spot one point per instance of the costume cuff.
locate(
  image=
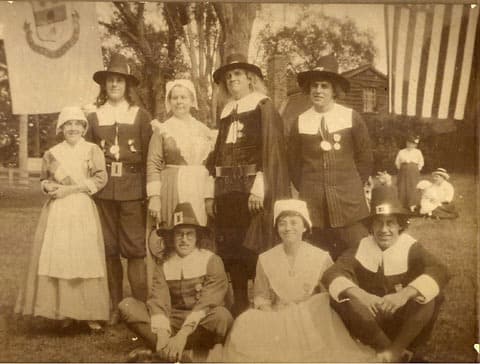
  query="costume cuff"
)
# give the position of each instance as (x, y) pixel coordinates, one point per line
(42, 186)
(160, 322)
(153, 188)
(194, 318)
(258, 187)
(427, 287)
(155, 124)
(209, 187)
(92, 187)
(339, 285)
(259, 301)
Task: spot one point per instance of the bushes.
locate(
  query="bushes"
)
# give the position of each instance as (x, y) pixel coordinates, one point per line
(456, 150)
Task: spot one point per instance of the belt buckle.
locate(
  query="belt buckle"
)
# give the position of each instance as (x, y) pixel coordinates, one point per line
(116, 169)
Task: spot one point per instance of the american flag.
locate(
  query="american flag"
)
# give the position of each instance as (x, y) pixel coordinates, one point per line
(430, 53)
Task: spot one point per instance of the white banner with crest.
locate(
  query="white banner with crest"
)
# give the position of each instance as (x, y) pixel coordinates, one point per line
(52, 50)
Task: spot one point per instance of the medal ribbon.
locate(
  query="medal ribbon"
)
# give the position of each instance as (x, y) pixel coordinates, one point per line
(117, 153)
(323, 128)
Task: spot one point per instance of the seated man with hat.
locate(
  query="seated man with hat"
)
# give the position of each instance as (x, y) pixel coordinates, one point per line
(387, 290)
(186, 306)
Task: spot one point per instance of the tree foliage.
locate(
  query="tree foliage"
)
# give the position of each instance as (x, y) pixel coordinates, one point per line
(315, 35)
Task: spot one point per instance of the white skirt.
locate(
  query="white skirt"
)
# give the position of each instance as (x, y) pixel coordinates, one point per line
(73, 242)
(310, 331)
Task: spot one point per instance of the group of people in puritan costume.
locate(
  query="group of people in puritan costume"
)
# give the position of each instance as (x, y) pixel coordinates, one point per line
(333, 280)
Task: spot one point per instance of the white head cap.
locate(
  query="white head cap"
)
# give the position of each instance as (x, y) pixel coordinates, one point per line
(298, 206)
(181, 82)
(70, 113)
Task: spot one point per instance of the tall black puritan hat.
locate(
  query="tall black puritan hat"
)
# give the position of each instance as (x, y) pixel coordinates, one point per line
(385, 202)
(327, 68)
(118, 65)
(233, 61)
(183, 215)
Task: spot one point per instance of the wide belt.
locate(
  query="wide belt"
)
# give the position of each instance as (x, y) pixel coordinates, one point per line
(130, 167)
(236, 171)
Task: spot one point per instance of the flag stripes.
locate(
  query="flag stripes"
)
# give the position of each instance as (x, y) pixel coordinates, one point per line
(429, 57)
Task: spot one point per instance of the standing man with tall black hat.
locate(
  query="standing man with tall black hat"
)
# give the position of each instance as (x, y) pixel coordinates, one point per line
(249, 166)
(123, 132)
(330, 159)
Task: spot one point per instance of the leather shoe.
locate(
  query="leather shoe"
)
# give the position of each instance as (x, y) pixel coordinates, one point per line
(140, 355)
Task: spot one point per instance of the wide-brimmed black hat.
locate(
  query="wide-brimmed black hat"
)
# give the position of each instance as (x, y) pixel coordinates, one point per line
(118, 65)
(385, 202)
(327, 69)
(234, 61)
(183, 215)
(413, 138)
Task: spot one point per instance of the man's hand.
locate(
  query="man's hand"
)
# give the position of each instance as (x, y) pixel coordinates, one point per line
(155, 207)
(210, 207)
(49, 186)
(255, 203)
(393, 301)
(370, 301)
(162, 340)
(175, 346)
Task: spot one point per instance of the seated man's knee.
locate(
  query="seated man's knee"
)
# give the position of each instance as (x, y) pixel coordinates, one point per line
(131, 309)
(358, 319)
(223, 320)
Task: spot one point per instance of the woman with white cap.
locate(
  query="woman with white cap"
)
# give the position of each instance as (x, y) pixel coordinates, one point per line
(177, 152)
(67, 278)
(292, 320)
(437, 197)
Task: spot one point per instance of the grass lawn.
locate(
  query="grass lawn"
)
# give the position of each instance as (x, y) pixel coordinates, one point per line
(453, 336)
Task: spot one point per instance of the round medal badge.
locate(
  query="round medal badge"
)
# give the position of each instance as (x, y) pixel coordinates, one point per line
(336, 146)
(114, 149)
(326, 146)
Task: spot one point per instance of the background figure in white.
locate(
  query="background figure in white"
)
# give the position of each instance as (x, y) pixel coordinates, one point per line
(437, 197)
(176, 156)
(67, 279)
(292, 321)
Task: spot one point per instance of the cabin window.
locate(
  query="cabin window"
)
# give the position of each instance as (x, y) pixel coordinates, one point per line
(369, 99)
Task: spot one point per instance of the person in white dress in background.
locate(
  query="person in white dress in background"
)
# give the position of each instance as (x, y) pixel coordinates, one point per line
(66, 278)
(292, 320)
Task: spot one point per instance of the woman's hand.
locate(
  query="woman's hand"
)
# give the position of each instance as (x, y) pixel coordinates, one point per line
(155, 207)
(255, 203)
(49, 186)
(62, 191)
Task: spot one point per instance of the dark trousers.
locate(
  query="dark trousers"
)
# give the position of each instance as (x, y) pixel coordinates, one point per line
(337, 240)
(211, 330)
(413, 322)
(232, 222)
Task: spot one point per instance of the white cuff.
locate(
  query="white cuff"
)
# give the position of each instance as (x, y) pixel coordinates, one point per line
(92, 188)
(261, 301)
(209, 187)
(159, 321)
(339, 285)
(258, 188)
(155, 124)
(427, 287)
(42, 186)
(153, 188)
(194, 318)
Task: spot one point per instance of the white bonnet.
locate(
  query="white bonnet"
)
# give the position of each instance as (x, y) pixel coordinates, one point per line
(70, 113)
(180, 82)
(298, 206)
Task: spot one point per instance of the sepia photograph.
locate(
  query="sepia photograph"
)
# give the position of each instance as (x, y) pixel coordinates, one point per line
(239, 182)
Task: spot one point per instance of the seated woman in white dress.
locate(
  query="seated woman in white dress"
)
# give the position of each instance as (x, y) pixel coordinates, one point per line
(291, 320)
(437, 197)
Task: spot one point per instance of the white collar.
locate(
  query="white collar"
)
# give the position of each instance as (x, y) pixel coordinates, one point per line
(194, 265)
(122, 113)
(246, 103)
(395, 258)
(337, 118)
